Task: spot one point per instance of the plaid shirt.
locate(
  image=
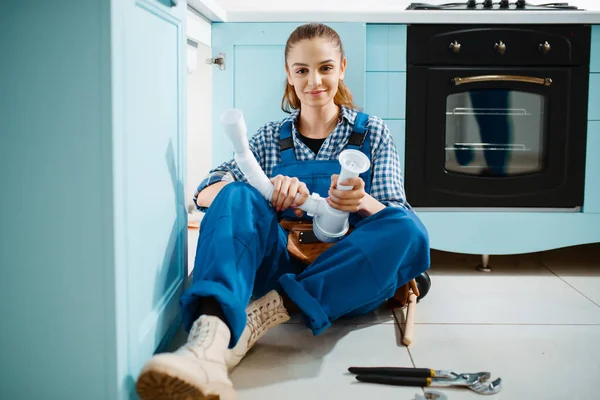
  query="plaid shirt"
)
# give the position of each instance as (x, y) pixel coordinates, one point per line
(386, 179)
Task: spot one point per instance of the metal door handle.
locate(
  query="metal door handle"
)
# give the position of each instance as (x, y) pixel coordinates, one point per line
(218, 60)
(501, 78)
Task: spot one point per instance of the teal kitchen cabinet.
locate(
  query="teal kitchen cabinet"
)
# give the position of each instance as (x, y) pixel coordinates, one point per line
(254, 76)
(92, 120)
(595, 51)
(386, 79)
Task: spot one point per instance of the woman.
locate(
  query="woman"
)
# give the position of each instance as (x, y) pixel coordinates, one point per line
(242, 247)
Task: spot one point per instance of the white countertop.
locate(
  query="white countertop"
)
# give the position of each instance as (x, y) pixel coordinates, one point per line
(386, 11)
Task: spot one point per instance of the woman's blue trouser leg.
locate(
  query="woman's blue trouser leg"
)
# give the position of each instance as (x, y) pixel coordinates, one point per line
(359, 273)
(240, 247)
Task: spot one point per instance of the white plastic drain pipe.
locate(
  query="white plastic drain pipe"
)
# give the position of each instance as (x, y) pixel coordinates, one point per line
(329, 224)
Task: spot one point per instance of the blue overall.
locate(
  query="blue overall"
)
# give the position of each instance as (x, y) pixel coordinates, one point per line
(242, 251)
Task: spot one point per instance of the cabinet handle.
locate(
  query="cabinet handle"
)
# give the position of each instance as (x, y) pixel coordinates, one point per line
(501, 78)
(218, 60)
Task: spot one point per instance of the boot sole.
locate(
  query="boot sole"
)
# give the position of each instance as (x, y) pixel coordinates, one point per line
(155, 384)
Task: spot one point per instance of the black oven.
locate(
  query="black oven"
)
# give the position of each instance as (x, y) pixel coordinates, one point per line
(496, 115)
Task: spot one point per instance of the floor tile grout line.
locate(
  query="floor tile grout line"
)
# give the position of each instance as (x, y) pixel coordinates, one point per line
(458, 323)
(573, 287)
(500, 324)
(412, 360)
(464, 323)
(399, 325)
(396, 322)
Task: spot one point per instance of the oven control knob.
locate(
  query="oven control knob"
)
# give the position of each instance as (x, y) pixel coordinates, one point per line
(500, 47)
(544, 48)
(488, 4)
(455, 46)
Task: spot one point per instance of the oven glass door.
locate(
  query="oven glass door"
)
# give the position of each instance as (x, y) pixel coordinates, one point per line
(497, 137)
(495, 132)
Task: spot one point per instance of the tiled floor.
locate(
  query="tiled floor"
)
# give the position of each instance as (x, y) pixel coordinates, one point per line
(534, 321)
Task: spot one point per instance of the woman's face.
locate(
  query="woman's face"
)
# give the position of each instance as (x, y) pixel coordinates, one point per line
(314, 69)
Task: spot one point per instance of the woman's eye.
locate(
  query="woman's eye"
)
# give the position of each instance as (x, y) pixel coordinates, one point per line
(327, 68)
(301, 71)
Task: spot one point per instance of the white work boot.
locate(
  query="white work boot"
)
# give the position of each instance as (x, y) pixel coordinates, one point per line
(262, 315)
(197, 370)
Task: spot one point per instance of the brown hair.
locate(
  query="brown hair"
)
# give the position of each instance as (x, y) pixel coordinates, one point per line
(290, 100)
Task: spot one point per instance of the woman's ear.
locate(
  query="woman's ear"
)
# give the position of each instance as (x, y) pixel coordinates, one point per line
(343, 68)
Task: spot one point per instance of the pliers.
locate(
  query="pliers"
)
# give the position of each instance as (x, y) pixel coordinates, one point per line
(423, 377)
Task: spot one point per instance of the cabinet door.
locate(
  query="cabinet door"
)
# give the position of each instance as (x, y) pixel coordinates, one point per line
(254, 75)
(149, 162)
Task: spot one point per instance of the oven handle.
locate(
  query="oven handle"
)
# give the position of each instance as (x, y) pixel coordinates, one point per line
(502, 78)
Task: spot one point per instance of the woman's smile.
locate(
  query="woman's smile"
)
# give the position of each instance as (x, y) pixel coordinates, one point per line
(316, 93)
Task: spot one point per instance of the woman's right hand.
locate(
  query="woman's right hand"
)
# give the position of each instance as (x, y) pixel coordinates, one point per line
(285, 190)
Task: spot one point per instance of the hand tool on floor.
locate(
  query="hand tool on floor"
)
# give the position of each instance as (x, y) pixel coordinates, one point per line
(407, 297)
(432, 396)
(409, 328)
(435, 396)
(477, 382)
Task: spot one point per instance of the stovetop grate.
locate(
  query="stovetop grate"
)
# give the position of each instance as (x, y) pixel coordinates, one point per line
(495, 7)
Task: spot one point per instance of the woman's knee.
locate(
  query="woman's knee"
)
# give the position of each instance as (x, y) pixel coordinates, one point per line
(420, 249)
(408, 236)
(240, 189)
(400, 222)
(239, 194)
(417, 230)
(240, 202)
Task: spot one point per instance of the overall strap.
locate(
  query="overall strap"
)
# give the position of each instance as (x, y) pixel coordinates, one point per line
(357, 142)
(286, 143)
(358, 134)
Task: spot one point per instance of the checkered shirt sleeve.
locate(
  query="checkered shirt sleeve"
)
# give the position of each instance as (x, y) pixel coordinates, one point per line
(229, 170)
(387, 185)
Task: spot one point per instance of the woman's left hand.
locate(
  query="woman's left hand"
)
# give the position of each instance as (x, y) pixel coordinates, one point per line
(347, 200)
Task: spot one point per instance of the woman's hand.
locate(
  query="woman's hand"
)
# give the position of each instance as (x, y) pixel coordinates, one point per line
(347, 200)
(285, 190)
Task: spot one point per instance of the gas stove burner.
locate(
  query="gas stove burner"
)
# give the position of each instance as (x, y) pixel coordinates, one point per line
(488, 5)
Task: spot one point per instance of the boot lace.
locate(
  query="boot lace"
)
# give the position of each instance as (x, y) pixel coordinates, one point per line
(199, 333)
(262, 318)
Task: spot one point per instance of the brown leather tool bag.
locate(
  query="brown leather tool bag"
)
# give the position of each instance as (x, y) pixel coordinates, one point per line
(304, 246)
(302, 243)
